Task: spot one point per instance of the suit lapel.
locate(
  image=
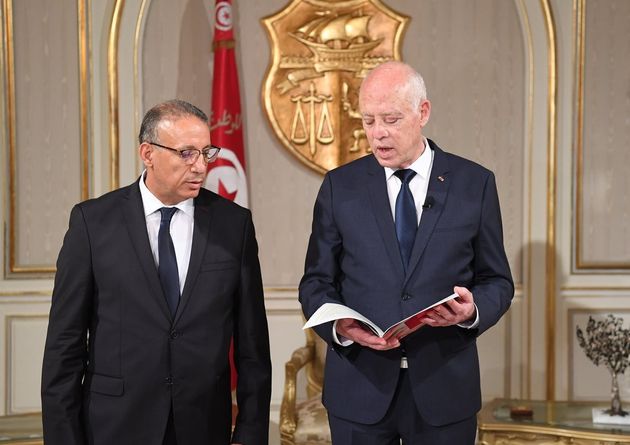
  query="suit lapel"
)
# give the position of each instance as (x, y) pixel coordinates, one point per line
(203, 213)
(377, 188)
(137, 228)
(438, 190)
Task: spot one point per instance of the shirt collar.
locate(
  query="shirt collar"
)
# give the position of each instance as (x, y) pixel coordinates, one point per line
(422, 165)
(152, 204)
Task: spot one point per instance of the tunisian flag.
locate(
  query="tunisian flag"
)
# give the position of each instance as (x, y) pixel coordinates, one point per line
(226, 175)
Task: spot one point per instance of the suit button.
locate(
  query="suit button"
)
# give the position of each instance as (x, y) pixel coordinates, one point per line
(406, 297)
(168, 380)
(173, 335)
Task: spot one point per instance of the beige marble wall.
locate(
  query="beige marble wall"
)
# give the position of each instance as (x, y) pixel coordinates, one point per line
(176, 52)
(603, 240)
(46, 128)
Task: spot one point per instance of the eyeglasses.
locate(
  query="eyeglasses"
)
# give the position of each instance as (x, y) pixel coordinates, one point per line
(190, 155)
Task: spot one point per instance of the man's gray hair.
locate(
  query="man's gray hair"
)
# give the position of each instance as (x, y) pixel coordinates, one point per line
(417, 89)
(412, 87)
(172, 109)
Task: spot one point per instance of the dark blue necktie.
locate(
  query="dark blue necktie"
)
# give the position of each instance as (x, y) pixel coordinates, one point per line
(167, 269)
(406, 216)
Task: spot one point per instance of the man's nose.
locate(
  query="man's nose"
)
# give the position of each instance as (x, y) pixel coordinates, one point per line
(379, 131)
(200, 165)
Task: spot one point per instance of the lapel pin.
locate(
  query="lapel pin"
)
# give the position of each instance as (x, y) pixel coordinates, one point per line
(441, 178)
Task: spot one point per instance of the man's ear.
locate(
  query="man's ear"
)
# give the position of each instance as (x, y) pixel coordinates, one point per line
(425, 112)
(146, 154)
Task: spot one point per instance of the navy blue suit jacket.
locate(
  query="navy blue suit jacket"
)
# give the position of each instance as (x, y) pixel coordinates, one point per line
(353, 258)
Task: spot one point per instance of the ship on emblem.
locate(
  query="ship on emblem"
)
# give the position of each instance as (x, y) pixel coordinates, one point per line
(337, 41)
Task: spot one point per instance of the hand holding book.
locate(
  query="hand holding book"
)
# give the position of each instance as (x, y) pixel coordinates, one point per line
(333, 311)
(349, 330)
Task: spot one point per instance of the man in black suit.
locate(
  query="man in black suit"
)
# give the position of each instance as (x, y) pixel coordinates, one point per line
(153, 281)
(394, 232)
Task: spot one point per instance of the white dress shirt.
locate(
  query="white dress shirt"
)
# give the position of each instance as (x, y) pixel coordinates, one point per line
(181, 229)
(418, 184)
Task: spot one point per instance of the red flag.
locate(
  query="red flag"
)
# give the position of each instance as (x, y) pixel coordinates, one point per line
(226, 175)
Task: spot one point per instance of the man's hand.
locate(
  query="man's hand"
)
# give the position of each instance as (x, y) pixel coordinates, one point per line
(456, 311)
(358, 333)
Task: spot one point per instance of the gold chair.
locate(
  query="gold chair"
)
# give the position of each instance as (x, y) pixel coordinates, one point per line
(305, 423)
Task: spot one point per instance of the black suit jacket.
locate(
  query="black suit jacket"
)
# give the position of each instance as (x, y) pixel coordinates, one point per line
(353, 258)
(116, 361)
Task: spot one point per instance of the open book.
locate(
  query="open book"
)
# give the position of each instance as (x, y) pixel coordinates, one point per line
(333, 311)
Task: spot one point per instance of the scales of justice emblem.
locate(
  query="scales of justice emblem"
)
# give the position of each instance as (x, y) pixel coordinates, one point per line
(321, 50)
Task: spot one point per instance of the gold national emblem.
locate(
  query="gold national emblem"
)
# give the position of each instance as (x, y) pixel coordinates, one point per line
(321, 50)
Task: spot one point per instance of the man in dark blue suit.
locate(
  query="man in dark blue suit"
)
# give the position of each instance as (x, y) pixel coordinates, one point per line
(392, 233)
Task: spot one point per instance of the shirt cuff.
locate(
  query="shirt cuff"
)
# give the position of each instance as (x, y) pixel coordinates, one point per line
(468, 324)
(340, 339)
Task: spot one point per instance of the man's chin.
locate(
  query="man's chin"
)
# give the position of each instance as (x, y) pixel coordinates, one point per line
(387, 161)
(191, 190)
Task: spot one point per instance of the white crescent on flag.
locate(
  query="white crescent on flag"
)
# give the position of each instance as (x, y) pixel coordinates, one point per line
(226, 176)
(223, 16)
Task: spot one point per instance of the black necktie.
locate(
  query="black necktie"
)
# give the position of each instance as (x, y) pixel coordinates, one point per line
(167, 269)
(406, 216)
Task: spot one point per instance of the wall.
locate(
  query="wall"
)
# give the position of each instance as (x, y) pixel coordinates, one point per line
(535, 90)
